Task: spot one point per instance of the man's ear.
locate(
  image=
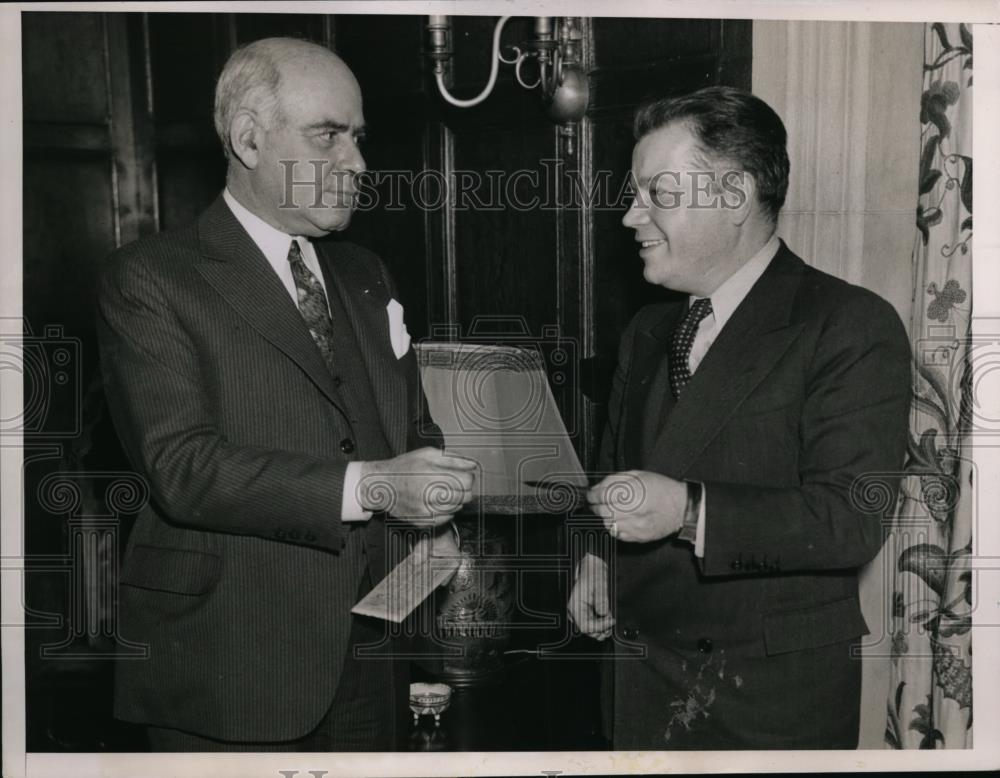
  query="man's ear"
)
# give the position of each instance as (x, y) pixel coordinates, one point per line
(245, 136)
(739, 193)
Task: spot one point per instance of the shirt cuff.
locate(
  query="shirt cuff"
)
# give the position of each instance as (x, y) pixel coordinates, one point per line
(689, 522)
(693, 526)
(350, 508)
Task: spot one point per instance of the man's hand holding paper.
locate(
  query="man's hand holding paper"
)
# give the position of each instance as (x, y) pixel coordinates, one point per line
(639, 506)
(425, 487)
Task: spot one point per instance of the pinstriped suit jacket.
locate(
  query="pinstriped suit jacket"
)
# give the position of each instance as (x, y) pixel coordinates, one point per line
(238, 574)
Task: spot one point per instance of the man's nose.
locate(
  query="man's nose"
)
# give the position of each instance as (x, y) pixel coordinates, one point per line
(350, 159)
(635, 215)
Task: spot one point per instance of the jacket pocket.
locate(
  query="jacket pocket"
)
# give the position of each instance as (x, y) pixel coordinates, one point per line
(820, 625)
(176, 570)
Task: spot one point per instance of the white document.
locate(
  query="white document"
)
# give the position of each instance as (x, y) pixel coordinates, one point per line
(428, 566)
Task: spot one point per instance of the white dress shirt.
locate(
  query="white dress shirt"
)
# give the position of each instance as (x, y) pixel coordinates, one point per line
(725, 300)
(274, 245)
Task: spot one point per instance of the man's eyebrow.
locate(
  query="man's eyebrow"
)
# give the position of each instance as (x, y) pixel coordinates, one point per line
(670, 176)
(330, 124)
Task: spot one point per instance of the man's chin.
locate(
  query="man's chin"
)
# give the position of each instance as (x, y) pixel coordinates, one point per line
(655, 275)
(333, 220)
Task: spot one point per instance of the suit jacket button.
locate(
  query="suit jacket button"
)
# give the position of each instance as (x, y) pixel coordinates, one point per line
(630, 633)
(705, 646)
(337, 381)
(310, 537)
(347, 446)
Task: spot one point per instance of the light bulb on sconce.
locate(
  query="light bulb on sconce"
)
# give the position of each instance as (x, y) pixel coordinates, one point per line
(555, 47)
(568, 103)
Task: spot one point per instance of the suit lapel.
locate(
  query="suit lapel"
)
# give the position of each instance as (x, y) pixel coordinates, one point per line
(240, 273)
(364, 299)
(749, 346)
(648, 352)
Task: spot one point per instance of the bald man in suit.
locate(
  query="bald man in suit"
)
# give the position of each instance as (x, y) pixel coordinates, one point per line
(261, 380)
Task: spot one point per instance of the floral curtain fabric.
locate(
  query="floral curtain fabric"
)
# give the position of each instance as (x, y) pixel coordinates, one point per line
(930, 697)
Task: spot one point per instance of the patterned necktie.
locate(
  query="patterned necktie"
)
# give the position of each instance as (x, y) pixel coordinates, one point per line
(680, 348)
(312, 304)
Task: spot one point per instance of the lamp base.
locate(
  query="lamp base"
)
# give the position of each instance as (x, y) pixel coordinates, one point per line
(473, 610)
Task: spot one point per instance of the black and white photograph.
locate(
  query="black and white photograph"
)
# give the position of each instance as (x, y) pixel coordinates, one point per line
(478, 392)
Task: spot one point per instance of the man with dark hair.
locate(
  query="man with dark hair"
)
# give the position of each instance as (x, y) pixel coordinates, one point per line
(742, 423)
(261, 380)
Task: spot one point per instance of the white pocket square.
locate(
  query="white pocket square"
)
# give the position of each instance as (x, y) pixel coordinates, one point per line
(398, 336)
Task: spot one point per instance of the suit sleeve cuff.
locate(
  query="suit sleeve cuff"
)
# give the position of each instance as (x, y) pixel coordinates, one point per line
(350, 508)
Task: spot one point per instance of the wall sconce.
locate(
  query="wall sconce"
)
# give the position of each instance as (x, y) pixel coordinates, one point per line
(556, 50)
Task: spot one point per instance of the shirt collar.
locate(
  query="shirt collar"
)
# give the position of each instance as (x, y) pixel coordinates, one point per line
(727, 298)
(272, 242)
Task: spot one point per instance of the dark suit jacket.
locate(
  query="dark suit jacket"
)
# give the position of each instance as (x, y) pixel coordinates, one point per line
(239, 574)
(805, 390)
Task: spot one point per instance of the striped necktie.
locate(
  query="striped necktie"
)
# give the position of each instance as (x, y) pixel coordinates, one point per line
(680, 347)
(312, 304)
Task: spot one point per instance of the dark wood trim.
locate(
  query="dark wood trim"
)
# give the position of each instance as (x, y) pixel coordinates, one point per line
(75, 137)
(130, 130)
(587, 442)
(227, 37)
(575, 257)
(736, 69)
(613, 89)
(585, 228)
(142, 59)
(329, 31)
(121, 170)
(439, 237)
(450, 261)
(185, 135)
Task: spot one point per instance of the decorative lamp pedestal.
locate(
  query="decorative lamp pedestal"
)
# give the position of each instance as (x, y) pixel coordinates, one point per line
(472, 625)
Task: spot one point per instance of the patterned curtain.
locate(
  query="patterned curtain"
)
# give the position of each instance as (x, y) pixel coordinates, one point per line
(930, 697)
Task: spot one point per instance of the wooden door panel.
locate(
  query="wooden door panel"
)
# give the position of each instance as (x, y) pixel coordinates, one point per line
(64, 81)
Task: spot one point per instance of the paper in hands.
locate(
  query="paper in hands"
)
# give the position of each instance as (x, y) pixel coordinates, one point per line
(494, 406)
(431, 563)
